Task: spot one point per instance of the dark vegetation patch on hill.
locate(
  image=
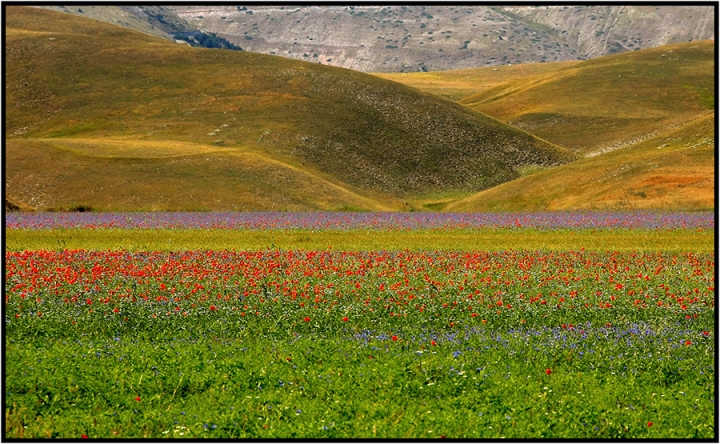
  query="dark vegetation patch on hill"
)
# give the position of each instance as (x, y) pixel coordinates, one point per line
(205, 40)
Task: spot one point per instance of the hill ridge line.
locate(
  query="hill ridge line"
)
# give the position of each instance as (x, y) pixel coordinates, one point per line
(675, 174)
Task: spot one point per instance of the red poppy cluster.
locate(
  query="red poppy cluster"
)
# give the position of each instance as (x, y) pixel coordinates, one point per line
(457, 287)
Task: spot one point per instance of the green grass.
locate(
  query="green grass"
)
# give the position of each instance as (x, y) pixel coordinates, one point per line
(246, 388)
(360, 240)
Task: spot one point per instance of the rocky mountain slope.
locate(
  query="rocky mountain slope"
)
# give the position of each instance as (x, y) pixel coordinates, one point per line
(401, 38)
(432, 38)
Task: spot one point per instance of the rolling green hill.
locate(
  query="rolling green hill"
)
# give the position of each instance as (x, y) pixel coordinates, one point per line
(103, 117)
(131, 175)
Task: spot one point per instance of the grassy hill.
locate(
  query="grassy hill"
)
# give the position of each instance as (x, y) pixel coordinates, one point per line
(589, 106)
(102, 117)
(644, 120)
(611, 101)
(672, 171)
(458, 84)
(131, 175)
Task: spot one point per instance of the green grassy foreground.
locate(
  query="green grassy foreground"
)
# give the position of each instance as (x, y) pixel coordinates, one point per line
(361, 240)
(313, 387)
(334, 344)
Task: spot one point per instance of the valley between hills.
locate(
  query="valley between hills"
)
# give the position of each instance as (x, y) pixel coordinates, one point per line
(104, 118)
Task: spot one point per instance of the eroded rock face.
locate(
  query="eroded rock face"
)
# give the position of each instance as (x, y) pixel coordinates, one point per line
(423, 38)
(431, 38)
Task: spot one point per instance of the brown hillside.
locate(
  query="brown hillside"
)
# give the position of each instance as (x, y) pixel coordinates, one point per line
(673, 171)
(74, 78)
(608, 102)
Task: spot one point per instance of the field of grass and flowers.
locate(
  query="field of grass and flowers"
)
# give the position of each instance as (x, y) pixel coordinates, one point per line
(362, 342)
(677, 232)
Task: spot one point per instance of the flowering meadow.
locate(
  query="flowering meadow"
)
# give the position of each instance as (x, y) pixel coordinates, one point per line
(346, 221)
(296, 343)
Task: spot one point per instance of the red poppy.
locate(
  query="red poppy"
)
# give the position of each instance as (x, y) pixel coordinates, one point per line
(84, 436)
(137, 398)
(650, 423)
(394, 338)
(306, 319)
(345, 319)
(688, 342)
(433, 343)
(548, 371)
(213, 308)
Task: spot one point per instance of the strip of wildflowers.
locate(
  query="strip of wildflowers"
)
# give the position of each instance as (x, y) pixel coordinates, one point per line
(393, 291)
(346, 221)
